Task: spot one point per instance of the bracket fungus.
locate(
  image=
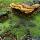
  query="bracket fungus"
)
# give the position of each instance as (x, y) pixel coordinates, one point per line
(27, 9)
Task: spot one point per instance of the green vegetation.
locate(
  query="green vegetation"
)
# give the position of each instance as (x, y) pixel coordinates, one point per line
(17, 25)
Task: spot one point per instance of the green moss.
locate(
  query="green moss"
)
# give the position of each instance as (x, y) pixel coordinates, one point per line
(18, 25)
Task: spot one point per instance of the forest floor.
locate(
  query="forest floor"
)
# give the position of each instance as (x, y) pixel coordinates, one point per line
(16, 26)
